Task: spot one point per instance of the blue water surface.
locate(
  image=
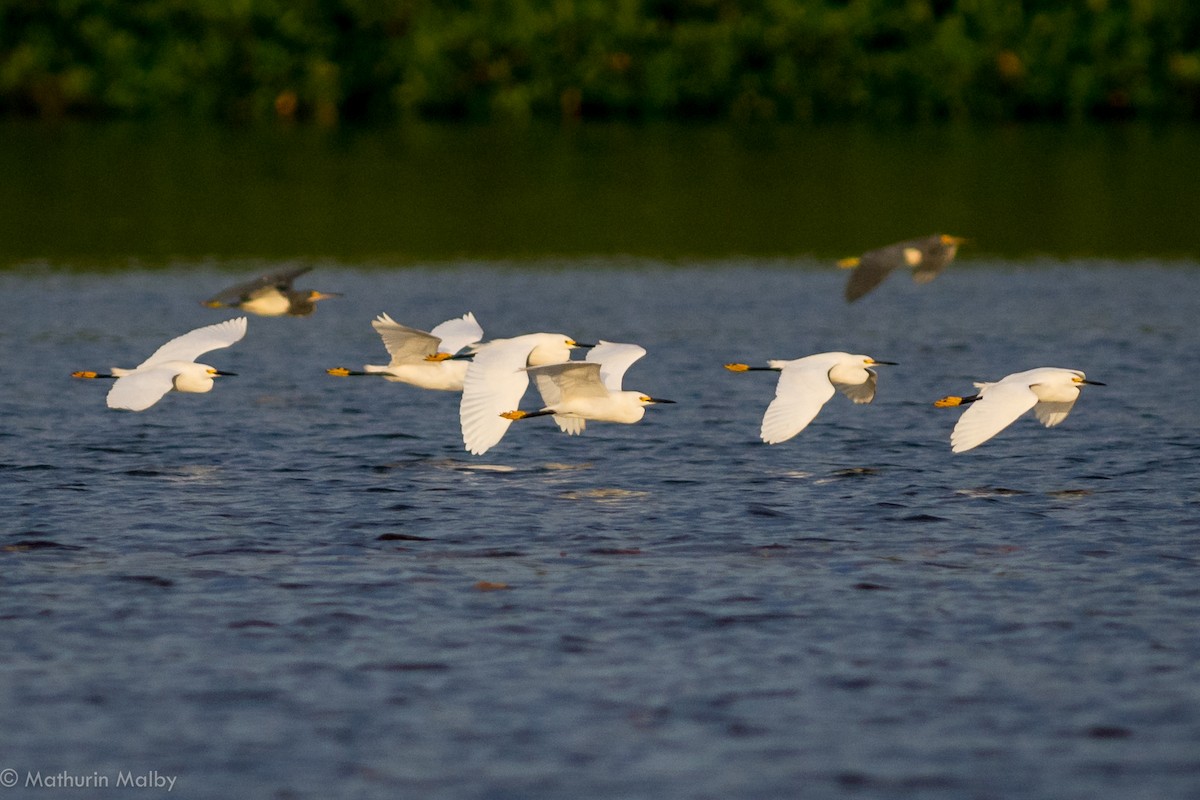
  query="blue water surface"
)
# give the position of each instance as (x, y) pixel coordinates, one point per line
(300, 586)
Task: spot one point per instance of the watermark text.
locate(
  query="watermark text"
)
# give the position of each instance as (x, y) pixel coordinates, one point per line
(122, 779)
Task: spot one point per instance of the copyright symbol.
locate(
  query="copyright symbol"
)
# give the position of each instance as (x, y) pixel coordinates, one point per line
(8, 778)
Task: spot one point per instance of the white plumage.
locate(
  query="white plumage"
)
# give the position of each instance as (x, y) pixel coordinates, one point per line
(577, 391)
(805, 386)
(171, 367)
(497, 379)
(1050, 391)
(422, 358)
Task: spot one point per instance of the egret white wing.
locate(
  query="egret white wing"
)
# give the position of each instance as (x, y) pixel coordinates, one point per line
(404, 344)
(195, 343)
(570, 379)
(799, 396)
(458, 333)
(859, 392)
(998, 407)
(1050, 414)
(572, 426)
(614, 359)
(494, 384)
(141, 389)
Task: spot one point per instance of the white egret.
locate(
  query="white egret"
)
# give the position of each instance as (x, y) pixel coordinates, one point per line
(423, 359)
(806, 384)
(926, 257)
(576, 391)
(271, 296)
(171, 367)
(496, 380)
(1049, 391)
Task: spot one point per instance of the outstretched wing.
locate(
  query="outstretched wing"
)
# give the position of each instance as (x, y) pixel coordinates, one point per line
(494, 384)
(614, 359)
(801, 392)
(458, 333)
(570, 379)
(996, 409)
(140, 390)
(405, 345)
(243, 291)
(195, 343)
(859, 392)
(872, 268)
(1050, 414)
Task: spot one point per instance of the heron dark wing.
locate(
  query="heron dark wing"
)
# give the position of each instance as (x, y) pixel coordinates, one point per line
(281, 280)
(873, 267)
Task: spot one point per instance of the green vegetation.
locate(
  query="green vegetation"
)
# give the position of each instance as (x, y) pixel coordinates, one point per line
(381, 60)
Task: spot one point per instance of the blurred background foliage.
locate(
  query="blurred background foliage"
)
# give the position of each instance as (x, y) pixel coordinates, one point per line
(791, 60)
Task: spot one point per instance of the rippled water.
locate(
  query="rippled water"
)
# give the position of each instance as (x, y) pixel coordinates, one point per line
(302, 586)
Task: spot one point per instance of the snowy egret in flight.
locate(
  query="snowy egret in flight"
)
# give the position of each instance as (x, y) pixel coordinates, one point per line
(926, 257)
(576, 391)
(271, 296)
(497, 379)
(806, 384)
(423, 359)
(171, 367)
(1049, 391)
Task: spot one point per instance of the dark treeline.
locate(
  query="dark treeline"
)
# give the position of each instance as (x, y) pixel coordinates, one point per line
(381, 60)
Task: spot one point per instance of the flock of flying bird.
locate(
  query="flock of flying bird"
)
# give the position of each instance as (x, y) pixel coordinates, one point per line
(492, 376)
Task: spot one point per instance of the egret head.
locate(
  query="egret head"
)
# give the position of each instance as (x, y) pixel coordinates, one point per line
(552, 348)
(1079, 378)
(195, 378)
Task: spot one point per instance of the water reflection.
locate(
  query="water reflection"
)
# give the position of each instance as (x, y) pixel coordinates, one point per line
(94, 193)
